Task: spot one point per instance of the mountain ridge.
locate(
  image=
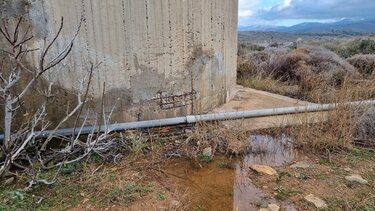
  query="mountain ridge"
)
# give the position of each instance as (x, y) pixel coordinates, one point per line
(351, 26)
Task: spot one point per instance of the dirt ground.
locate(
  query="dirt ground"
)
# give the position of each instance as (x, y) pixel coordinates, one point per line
(199, 185)
(156, 175)
(325, 178)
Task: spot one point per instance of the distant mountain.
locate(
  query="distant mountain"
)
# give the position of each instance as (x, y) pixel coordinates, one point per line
(345, 26)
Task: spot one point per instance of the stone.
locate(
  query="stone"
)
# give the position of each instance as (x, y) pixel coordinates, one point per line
(273, 207)
(348, 169)
(175, 203)
(318, 202)
(270, 207)
(207, 151)
(301, 165)
(356, 178)
(263, 169)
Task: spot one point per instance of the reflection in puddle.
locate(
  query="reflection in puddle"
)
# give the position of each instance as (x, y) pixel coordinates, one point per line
(265, 150)
(271, 151)
(216, 188)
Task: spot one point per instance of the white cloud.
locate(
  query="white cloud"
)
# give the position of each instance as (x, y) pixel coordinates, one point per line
(247, 7)
(319, 9)
(245, 13)
(285, 4)
(275, 11)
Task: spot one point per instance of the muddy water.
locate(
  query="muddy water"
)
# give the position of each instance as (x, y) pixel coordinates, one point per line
(213, 187)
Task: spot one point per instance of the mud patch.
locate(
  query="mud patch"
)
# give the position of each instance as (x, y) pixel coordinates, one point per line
(225, 184)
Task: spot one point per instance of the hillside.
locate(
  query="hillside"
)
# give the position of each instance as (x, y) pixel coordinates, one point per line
(342, 27)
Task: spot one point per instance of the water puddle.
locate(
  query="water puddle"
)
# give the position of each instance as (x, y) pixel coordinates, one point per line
(215, 187)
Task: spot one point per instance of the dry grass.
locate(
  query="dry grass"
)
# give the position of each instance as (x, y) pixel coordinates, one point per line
(318, 75)
(335, 134)
(230, 141)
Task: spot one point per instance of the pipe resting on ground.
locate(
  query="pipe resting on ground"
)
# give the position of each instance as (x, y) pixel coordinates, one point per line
(190, 119)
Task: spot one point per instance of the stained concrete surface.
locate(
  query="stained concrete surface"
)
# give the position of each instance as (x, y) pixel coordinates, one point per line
(159, 58)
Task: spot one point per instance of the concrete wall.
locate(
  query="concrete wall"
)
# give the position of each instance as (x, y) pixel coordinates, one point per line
(159, 58)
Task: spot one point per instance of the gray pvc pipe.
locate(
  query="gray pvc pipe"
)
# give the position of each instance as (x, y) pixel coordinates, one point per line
(203, 118)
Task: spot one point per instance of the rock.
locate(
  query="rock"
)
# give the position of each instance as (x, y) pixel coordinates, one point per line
(318, 203)
(271, 207)
(301, 165)
(207, 151)
(289, 208)
(175, 203)
(264, 169)
(348, 169)
(356, 178)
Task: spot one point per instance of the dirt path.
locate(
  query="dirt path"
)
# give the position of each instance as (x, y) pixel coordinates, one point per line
(251, 99)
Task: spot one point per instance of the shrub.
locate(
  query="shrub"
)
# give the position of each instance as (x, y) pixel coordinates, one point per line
(309, 67)
(364, 130)
(243, 48)
(358, 46)
(365, 64)
(315, 71)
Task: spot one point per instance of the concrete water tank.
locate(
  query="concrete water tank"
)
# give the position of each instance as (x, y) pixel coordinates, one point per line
(159, 58)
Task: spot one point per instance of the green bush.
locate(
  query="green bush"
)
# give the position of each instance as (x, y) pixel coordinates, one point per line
(244, 48)
(358, 46)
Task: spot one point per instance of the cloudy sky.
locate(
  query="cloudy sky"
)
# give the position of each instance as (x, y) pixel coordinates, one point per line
(290, 12)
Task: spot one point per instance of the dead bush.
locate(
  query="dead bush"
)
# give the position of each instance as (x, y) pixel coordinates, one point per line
(365, 64)
(313, 61)
(316, 72)
(230, 141)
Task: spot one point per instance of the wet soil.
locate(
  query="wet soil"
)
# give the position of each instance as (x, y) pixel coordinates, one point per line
(225, 184)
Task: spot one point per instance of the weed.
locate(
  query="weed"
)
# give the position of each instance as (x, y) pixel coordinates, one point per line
(57, 197)
(303, 176)
(156, 145)
(335, 202)
(137, 147)
(319, 176)
(70, 168)
(17, 199)
(281, 175)
(282, 193)
(357, 154)
(224, 164)
(112, 178)
(161, 195)
(115, 194)
(199, 207)
(129, 192)
(205, 158)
